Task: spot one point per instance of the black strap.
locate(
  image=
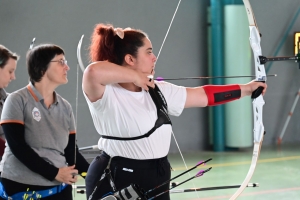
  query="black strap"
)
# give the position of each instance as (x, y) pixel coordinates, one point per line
(162, 115)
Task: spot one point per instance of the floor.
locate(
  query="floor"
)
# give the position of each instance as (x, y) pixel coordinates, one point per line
(277, 173)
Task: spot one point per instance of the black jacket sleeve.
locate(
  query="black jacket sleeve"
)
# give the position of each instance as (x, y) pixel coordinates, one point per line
(81, 164)
(14, 134)
(2, 147)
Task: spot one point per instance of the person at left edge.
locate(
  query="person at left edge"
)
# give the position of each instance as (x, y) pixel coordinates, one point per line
(8, 66)
(40, 131)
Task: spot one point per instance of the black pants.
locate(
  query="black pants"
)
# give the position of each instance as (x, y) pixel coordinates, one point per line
(12, 187)
(146, 173)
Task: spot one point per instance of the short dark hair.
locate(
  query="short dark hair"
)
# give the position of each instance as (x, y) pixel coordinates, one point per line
(5, 55)
(38, 60)
(106, 45)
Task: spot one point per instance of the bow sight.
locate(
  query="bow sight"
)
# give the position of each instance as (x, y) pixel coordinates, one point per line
(264, 59)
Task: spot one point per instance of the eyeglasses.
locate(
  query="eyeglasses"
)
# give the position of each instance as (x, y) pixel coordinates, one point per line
(62, 62)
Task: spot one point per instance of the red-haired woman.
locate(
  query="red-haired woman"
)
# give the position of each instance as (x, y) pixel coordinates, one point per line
(131, 112)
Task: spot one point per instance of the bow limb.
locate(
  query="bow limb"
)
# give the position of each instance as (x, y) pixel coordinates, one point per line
(80, 63)
(259, 102)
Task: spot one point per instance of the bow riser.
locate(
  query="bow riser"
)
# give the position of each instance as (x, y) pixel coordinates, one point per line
(255, 45)
(259, 102)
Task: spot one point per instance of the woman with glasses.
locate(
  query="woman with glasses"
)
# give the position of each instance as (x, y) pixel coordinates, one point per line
(42, 159)
(130, 110)
(8, 66)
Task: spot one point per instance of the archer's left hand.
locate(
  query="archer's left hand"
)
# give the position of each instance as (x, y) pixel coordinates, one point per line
(247, 89)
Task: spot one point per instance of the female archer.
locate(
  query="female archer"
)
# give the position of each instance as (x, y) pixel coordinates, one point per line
(132, 112)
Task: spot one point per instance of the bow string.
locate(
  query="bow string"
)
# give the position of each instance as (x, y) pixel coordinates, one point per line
(159, 52)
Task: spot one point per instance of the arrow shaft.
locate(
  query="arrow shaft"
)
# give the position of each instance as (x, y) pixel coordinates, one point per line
(212, 188)
(205, 77)
(168, 181)
(196, 176)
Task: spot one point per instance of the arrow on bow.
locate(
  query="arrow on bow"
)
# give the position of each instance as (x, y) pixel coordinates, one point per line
(258, 102)
(201, 77)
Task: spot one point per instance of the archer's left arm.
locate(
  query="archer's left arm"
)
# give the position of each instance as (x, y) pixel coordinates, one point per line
(211, 95)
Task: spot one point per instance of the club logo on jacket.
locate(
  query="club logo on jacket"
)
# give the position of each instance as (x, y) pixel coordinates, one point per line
(36, 114)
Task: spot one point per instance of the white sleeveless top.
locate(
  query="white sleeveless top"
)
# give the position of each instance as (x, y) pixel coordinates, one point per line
(122, 113)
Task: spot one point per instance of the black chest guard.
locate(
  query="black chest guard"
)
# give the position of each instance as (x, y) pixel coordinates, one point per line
(162, 115)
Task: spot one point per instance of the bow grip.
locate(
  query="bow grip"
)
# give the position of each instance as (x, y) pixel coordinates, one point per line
(257, 92)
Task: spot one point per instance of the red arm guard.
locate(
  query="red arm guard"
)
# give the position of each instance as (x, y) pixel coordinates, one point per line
(220, 94)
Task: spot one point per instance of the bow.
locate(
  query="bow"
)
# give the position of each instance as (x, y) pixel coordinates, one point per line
(258, 102)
